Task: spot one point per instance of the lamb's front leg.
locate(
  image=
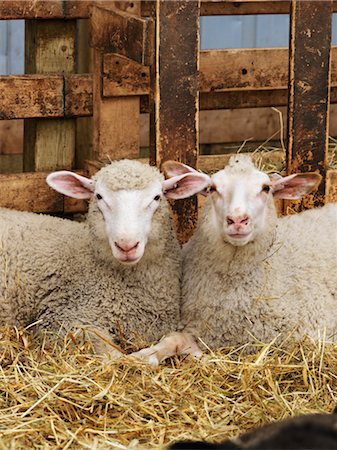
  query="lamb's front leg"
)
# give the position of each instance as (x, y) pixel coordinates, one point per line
(173, 344)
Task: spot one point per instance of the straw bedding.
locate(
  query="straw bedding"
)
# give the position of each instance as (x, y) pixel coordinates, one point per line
(55, 394)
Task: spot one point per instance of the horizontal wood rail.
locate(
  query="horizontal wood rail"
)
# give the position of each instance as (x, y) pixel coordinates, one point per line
(29, 191)
(228, 79)
(80, 9)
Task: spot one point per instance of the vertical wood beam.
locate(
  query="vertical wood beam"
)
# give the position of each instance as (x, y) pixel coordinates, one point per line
(308, 108)
(115, 120)
(83, 124)
(50, 48)
(174, 115)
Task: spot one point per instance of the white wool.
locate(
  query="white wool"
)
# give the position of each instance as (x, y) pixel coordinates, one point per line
(61, 272)
(282, 282)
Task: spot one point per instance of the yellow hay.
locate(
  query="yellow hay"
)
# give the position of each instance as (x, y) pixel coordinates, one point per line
(56, 394)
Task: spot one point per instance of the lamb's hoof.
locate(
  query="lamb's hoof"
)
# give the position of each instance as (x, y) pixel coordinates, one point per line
(197, 353)
(148, 356)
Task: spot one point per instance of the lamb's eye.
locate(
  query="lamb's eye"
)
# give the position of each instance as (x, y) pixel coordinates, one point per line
(157, 197)
(99, 197)
(265, 188)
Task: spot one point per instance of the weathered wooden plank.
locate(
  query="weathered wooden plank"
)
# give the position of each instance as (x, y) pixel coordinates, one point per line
(223, 70)
(84, 131)
(252, 127)
(243, 99)
(31, 9)
(11, 137)
(116, 120)
(78, 95)
(31, 96)
(50, 48)
(115, 31)
(310, 42)
(30, 192)
(123, 76)
(242, 69)
(236, 7)
(247, 99)
(221, 7)
(81, 9)
(175, 91)
(77, 9)
(57, 9)
(79, 103)
(11, 163)
(20, 101)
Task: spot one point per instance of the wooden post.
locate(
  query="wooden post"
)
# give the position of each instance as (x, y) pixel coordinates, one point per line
(84, 127)
(308, 107)
(175, 115)
(50, 48)
(115, 120)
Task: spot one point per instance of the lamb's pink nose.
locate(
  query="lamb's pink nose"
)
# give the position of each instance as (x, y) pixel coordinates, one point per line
(126, 247)
(237, 220)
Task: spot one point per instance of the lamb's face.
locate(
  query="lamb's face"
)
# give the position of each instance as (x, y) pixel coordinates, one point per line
(240, 202)
(127, 194)
(128, 218)
(240, 194)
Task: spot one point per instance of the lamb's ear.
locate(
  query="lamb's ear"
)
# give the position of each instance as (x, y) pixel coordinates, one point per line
(71, 184)
(183, 181)
(294, 186)
(183, 186)
(174, 168)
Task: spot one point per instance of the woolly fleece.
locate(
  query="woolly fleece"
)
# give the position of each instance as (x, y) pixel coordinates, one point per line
(63, 273)
(283, 282)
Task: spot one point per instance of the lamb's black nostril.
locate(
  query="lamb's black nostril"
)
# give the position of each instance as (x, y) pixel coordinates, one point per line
(125, 247)
(237, 220)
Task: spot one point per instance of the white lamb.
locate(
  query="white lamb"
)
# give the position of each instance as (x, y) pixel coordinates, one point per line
(246, 273)
(118, 273)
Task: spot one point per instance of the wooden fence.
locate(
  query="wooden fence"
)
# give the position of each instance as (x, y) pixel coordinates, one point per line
(146, 58)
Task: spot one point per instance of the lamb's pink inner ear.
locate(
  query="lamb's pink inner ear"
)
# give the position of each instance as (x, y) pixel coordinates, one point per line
(174, 168)
(295, 186)
(186, 185)
(71, 184)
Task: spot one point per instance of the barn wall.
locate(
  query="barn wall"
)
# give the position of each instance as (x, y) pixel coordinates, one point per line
(222, 126)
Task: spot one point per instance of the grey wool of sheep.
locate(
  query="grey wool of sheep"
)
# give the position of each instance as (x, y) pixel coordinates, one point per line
(60, 272)
(282, 281)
